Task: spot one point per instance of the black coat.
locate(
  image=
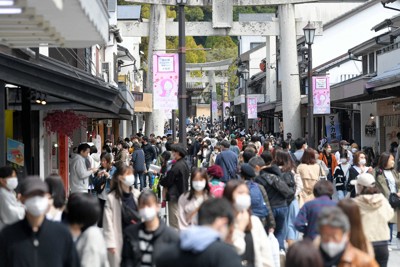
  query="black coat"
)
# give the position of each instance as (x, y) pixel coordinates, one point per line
(149, 153)
(177, 180)
(279, 193)
(218, 254)
(353, 173)
(131, 253)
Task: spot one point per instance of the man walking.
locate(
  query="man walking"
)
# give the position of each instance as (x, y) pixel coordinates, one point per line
(78, 172)
(228, 160)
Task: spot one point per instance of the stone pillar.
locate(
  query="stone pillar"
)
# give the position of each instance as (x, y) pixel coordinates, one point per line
(157, 43)
(289, 71)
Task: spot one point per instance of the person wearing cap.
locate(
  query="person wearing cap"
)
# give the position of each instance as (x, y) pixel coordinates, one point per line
(176, 182)
(376, 213)
(36, 241)
(344, 145)
(11, 210)
(335, 247)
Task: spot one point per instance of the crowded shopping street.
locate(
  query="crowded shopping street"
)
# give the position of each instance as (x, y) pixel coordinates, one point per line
(199, 133)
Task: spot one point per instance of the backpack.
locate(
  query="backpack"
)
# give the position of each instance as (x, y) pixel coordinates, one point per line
(258, 206)
(217, 189)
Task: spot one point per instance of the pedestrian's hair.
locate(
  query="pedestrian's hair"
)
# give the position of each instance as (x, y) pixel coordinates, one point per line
(107, 157)
(204, 175)
(284, 160)
(225, 144)
(299, 142)
(56, 190)
(233, 142)
(93, 150)
(356, 158)
(285, 145)
(309, 156)
(267, 157)
(383, 160)
(122, 169)
(215, 208)
(343, 154)
(357, 236)
(125, 145)
(303, 254)
(83, 209)
(147, 196)
(248, 153)
(323, 188)
(83, 147)
(256, 161)
(333, 217)
(6, 171)
(107, 148)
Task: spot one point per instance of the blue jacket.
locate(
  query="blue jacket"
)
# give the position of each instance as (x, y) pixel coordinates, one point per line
(138, 160)
(228, 161)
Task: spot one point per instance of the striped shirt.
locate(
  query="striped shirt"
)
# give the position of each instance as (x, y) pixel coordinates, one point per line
(146, 247)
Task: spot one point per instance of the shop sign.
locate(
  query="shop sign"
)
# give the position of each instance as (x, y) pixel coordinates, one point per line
(226, 110)
(333, 127)
(214, 106)
(15, 152)
(252, 107)
(165, 77)
(370, 130)
(321, 95)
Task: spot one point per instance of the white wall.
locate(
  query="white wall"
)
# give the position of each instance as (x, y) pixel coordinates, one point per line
(245, 42)
(388, 61)
(345, 71)
(322, 11)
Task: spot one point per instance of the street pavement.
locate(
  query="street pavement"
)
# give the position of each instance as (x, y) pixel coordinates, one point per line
(394, 255)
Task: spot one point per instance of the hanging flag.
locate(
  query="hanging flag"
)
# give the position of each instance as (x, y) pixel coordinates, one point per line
(252, 107)
(333, 127)
(321, 95)
(165, 81)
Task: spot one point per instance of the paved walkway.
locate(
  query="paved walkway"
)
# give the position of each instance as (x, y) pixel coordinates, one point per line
(394, 255)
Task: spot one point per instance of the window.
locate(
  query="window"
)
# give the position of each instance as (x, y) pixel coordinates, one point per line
(365, 64)
(252, 45)
(371, 62)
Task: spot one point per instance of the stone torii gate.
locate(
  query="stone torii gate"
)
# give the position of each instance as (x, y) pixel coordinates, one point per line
(222, 24)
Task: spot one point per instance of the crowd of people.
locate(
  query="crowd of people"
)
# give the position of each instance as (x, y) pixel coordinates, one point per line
(218, 200)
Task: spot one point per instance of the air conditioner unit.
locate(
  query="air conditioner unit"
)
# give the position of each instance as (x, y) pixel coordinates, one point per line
(105, 70)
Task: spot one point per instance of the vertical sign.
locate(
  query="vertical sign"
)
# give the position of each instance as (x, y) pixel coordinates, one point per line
(333, 127)
(227, 110)
(214, 110)
(321, 95)
(15, 152)
(252, 107)
(165, 81)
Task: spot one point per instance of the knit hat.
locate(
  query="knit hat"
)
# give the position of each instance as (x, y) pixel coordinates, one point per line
(247, 171)
(215, 171)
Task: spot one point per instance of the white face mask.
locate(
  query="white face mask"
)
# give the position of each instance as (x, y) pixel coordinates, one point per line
(343, 160)
(242, 202)
(363, 161)
(129, 180)
(147, 214)
(37, 205)
(332, 248)
(199, 185)
(329, 150)
(354, 150)
(305, 147)
(12, 183)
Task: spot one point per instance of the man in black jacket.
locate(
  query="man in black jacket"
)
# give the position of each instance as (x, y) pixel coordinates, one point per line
(176, 182)
(35, 241)
(143, 241)
(149, 155)
(204, 245)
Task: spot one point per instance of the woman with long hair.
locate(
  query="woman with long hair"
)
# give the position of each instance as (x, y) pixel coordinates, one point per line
(388, 181)
(57, 198)
(248, 236)
(190, 202)
(309, 171)
(285, 162)
(357, 236)
(376, 212)
(120, 211)
(359, 167)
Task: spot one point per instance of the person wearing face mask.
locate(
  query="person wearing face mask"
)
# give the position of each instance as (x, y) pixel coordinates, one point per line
(57, 198)
(36, 241)
(88, 237)
(78, 172)
(388, 181)
(359, 167)
(190, 202)
(329, 159)
(341, 175)
(336, 250)
(354, 148)
(214, 154)
(344, 146)
(143, 241)
(376, 212)
(11, 210)
(204, 245)
(120, 211)
(248, 236)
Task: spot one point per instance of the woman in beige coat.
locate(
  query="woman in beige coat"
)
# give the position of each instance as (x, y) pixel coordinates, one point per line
(309, 171)
(120, 211)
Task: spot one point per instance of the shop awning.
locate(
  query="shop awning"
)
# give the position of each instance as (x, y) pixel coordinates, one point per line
(257, 79)
(62, 81)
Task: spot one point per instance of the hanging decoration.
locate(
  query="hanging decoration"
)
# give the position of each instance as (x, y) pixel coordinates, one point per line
(64, 122)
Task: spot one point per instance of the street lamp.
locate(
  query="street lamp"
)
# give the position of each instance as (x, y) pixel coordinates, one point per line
(309, 33)
(244, 74)
(182, 97)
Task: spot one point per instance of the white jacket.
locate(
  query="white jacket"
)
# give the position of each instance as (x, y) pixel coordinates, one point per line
(262, 246)
(92, 248)
(11, 210)
(78, 175)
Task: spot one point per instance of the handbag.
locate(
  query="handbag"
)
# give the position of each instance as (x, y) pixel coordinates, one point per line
(394, 200)
(322, 176)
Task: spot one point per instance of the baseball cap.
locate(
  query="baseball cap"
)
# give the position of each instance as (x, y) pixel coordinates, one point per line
(247, 171)
(33, 184)
(364, 179)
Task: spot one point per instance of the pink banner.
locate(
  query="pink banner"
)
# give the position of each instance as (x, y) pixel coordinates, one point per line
(321, 95)
(165, 81)
(252, 107)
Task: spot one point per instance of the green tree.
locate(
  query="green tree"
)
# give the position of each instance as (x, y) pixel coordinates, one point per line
(194, 13)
